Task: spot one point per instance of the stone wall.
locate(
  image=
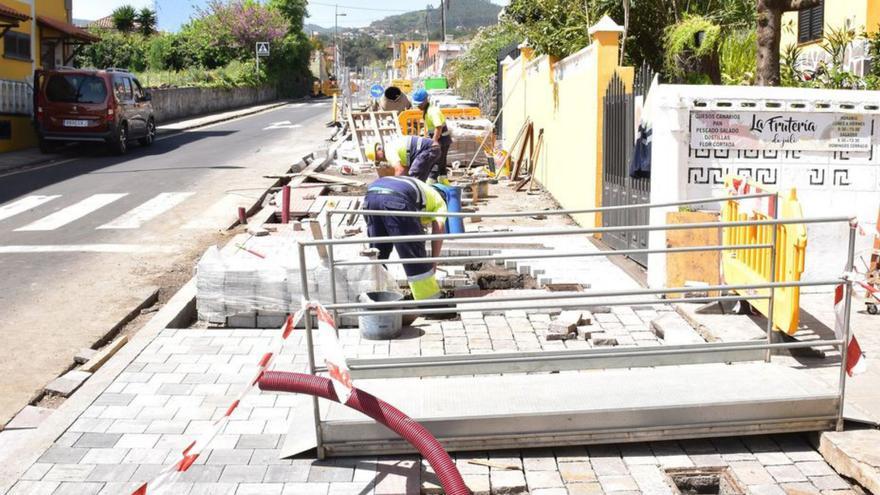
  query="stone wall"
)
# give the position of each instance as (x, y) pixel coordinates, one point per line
(178, 103)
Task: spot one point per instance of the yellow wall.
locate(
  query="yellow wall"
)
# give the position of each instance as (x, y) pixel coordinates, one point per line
(569, 109)
(18, 70)
(862, 15)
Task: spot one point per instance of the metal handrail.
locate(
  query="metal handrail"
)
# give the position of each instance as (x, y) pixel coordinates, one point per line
(566, 212)
(546, 233)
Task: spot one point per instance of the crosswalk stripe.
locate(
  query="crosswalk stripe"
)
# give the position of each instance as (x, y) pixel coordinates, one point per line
(89, 248)
(23, 205)
(151, 209)
(73, 212)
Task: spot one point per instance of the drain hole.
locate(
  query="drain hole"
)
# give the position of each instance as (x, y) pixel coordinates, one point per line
(704, 481)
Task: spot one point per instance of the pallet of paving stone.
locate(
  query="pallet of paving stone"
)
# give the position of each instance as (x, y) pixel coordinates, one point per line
(301, 199)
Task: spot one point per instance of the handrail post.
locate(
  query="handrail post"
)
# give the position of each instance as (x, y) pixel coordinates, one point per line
(772, 302)
(332, 265)
(310, 344)
(847, 307)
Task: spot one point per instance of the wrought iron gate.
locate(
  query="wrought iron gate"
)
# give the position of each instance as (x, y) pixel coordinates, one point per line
(618, 188)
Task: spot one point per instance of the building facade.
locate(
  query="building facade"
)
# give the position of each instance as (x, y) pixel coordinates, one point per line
(808, 27)
(36, 34)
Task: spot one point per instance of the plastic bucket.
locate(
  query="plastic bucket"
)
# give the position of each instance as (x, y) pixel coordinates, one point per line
(380, 327)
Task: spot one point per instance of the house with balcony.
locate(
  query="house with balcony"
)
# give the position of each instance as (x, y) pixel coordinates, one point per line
(34, 34)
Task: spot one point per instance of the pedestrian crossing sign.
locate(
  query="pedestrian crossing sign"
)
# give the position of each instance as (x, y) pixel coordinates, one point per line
(262, 48)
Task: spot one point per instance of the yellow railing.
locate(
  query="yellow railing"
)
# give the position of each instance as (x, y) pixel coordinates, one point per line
(412, 122)
(754, 266)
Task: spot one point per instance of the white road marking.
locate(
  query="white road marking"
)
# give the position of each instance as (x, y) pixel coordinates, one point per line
(73, 212)
(23, 205)
(284, 124)
(137, 217)
(87, 248)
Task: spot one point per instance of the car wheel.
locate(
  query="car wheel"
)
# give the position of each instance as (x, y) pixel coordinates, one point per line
(151, 134)
(120, 145)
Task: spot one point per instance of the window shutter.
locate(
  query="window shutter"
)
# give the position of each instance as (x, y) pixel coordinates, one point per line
(804, 25)
(817, 21)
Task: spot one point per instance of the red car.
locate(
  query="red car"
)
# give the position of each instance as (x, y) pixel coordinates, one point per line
(107, 106)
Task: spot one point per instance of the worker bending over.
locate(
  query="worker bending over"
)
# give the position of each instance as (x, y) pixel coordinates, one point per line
(409, 155)
(438, 131)
(407, 194)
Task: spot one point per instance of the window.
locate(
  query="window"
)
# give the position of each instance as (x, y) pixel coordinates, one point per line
(138, 90)
(810, 23)
(76, 88)
(17, 45)
(122, 87)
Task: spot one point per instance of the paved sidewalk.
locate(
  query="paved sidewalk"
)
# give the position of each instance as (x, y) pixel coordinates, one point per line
(32, 156)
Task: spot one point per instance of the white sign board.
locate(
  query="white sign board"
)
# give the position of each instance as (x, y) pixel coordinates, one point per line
(806, 131)
(262, 48)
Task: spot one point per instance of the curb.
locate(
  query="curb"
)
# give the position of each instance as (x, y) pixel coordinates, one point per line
(23, 451)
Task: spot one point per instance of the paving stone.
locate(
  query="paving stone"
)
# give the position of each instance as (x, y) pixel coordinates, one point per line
(259, 489)
(230, 456)
(508, 482)
(568, 454)
(585, 489)
(98, 440)
(28, 418)
(603, 339)
(478, 483)
(242, 474)
(68, 383)
(36, 471)
(201, 473)
(651, 480)
(577, 472)
(539, 461)
(80, 488)
(112, 472)
(287, 473)
(608, 466)
(550, 491)
(69, 472)
(305, 489)
(832, 482)
(760, 443)
(751, 473)
(105, 456)
(25, 487)
(786, 473)
(765, 489)
(272, 457)
(260, 441)
(543, 479)
(705, 460)
(330, 472)
(815, 468)
(674, 330)
(799, 489)
(618, 483)
(732, 449)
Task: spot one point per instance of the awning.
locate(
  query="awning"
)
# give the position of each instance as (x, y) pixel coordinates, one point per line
(67, 29)
(11, 17)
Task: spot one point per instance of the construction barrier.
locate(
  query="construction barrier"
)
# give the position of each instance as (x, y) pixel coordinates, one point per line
(412, 122)
(756, 266)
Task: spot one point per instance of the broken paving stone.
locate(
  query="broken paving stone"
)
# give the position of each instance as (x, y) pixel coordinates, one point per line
(83, 355)
(66, 384)
(576, 317)
(28, 418)
(586, 331)
(558, 326)
(561, 336)
(603, 339)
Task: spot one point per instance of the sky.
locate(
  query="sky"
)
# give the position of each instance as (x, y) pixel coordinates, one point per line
(174, 13)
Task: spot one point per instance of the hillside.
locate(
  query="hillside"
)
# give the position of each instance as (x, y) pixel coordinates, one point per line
(463, 16)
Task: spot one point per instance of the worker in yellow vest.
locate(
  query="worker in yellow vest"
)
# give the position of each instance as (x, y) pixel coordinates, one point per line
(438, 131)
(409, 155)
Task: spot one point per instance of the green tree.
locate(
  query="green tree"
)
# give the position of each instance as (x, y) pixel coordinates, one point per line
(473, 71)
(146, 20)
(115, 50)
(295, 11)
(124, 18)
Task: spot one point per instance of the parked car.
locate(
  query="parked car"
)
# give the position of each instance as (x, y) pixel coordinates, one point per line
(92, 105)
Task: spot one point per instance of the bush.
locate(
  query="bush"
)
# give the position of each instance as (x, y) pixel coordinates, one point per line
(127, 51)
(739, 53)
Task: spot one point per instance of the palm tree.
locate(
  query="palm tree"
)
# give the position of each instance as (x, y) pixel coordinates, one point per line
(146, 19)
(124, 18)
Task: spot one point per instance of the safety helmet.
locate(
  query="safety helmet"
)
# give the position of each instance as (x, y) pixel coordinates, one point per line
(420, 96)
(371, 154)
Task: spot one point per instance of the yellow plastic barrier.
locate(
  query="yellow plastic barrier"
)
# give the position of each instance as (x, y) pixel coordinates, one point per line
(752, 266)
(412, 122)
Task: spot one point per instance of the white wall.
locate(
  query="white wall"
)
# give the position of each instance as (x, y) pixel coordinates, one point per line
(828, 183)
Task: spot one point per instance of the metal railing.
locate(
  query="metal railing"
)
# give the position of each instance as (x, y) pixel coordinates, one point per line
(515, 362)
(16, 98)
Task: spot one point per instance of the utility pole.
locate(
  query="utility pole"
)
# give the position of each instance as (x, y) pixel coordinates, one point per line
(443, 21)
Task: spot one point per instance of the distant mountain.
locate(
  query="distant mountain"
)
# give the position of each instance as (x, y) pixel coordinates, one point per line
(314, 28)
(463, 16)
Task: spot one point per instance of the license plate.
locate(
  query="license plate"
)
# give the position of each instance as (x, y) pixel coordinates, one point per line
(76, 123)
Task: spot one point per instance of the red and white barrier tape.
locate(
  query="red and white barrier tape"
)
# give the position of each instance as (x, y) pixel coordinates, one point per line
(334, 360)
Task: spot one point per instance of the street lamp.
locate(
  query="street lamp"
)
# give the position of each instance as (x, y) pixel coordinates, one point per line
(336, 42)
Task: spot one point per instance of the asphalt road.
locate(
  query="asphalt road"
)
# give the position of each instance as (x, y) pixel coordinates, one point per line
(82, 241)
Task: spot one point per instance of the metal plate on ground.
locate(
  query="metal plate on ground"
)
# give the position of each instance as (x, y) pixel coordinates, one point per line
(617, 405)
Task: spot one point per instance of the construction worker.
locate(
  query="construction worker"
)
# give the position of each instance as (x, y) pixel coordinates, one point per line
(407, 194)
(409, 155)
(438, 131)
